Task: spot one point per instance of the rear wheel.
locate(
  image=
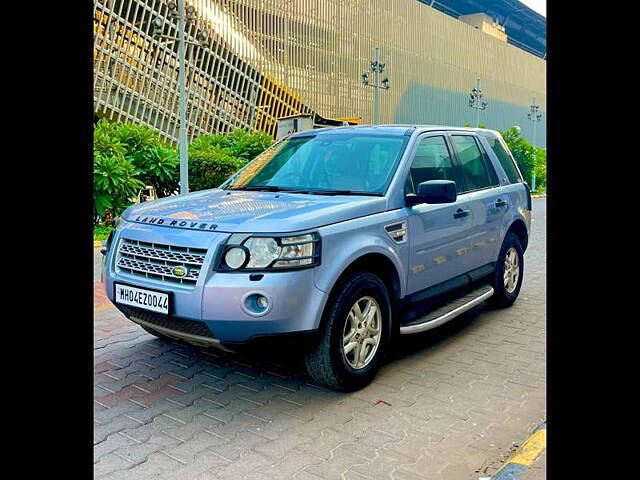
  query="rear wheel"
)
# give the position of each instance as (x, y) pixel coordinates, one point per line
(355, 334)
(507, 278)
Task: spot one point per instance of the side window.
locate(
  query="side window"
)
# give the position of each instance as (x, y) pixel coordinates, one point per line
(507, 162)
(474, 169)
(493, 176)
(432, 161)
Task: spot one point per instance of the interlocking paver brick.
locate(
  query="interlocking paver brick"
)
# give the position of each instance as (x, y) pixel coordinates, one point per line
(382, 465)
(241, 443)
(292, 463)
(117, 424)
(157, 466)
(325, 442)
(143, 431)
(280, 425)
(111, 443)
(109, 463)
(189, 450)
(280, 447)
(247, 463)
(339, 462)
(139, 452)
(198, 424)
(204, 467)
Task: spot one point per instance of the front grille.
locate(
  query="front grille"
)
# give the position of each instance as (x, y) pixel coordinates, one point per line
(191, 327)
(157, 261)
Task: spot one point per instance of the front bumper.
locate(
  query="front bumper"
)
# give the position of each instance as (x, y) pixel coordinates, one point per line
(191, 331)
(216, 300)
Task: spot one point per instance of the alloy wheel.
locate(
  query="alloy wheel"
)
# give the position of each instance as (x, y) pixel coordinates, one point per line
(511, 270)
(362, 332)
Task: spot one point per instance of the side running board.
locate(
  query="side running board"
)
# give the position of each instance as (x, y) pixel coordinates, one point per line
(448, 312)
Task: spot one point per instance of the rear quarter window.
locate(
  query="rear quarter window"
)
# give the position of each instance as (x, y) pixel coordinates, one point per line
(504, 157)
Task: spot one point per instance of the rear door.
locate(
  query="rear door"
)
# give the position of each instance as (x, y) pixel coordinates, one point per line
(482, 193)
(438, 233)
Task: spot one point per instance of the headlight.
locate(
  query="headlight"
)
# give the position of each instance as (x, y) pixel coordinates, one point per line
(235, 258)
(252, 252)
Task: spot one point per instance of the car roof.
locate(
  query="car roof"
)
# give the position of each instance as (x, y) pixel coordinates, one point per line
(389, 129)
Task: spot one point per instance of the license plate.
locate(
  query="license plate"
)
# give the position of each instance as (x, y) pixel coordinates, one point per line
(142, 298)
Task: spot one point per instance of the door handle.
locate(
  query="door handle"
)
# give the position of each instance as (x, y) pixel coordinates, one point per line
(500, 203)
(461, 213)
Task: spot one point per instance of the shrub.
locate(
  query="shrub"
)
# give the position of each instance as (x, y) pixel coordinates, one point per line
(101, 232)
(158, 166)
(208, 168)
(523, 151)
(215, 157)
(126, 157)
(156, 161)
(114, 183)
(541, 168)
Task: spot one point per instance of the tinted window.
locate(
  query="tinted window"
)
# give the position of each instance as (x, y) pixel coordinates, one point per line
(474, 169)
(431, 162)
(504, 157)
(493, 177)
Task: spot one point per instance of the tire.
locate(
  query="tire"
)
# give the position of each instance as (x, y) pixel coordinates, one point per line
(328, 363)
(506, 292)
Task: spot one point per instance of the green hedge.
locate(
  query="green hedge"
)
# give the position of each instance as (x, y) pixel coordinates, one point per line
(214, 158)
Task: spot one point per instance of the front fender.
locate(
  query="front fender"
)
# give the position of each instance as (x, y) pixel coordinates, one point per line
(344, 244)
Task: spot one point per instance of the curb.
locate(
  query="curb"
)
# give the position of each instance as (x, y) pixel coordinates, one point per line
(97, 244)
(524, 456)
(542, 195)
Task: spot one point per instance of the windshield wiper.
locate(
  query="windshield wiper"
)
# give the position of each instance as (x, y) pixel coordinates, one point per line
(345, 192)
(265, 188)
(307, 191)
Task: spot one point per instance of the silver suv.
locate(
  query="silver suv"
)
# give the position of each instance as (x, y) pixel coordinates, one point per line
(340, 237)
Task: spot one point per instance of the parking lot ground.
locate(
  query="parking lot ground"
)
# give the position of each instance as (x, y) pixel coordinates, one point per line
(538, 470)
(448, 404)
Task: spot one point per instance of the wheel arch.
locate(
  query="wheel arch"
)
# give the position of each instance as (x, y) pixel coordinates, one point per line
(378, 264)
(519, 228)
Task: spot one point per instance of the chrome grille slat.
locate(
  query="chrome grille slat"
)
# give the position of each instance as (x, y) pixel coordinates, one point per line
(157, 261)
(155, 254)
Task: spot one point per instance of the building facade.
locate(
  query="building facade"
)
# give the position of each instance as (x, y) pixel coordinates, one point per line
(250, 62)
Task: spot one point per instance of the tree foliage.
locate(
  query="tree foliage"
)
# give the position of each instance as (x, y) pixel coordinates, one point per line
(527, 156)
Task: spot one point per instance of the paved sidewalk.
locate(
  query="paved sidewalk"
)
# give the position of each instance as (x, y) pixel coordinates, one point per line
(448, 405)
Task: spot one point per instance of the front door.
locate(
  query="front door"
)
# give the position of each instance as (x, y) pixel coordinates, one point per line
(438, 233)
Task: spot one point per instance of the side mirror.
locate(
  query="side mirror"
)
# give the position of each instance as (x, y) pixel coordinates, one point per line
(434, 191)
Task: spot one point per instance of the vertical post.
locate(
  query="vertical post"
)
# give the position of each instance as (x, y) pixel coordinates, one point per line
(535, 120)
(478, 103)
(182, 98)
(376, 115)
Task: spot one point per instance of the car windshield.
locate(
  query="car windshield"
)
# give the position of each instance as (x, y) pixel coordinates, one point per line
(325, 164)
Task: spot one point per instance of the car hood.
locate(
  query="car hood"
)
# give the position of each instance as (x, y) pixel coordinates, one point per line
(252, 212)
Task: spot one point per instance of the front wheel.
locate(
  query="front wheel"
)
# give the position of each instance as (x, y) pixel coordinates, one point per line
(507, 278)
(355, 334)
